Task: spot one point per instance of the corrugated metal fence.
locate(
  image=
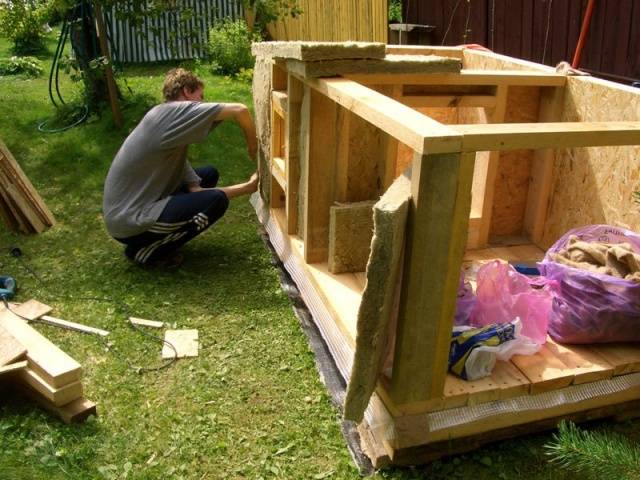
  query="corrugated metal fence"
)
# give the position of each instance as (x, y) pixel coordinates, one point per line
(544, 31)
(335, 20)
(178, 34)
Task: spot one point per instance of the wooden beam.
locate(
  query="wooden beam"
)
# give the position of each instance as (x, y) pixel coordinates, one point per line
(490, 171)
(467, 77)
(73, 412)
(112, 88)
(516, 136)
(412, 128)
(10, 348)
(295, 91)
(387, 168)
(436, 239)
(551, 102)
(319, 126)
(451, 101)
(57, 395)
(12, 367)
(279, 102)
(52, 364)
(278, 171)
(78, 327)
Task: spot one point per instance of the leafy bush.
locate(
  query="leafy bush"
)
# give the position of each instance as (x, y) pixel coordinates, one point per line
(395, 11)
(245, 75)
(22, 21)
(28, 66)
(230, 47)
(263, 12)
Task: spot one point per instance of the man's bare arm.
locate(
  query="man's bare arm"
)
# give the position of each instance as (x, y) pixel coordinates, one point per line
(239, 189)
(240, 114)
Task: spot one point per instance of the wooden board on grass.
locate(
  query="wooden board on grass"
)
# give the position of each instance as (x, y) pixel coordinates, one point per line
(58, 396)
(10, 348)
(50, 362)
(13, 367)
(75, 411)
(31, 309)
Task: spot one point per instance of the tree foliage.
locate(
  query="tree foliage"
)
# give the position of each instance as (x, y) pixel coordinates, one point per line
(22, 22)
(596, 455)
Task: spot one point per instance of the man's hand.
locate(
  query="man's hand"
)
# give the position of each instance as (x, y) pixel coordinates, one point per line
(253, 182)
(239, 189)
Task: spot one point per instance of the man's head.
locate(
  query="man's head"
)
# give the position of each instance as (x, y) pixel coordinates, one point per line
(181, 84)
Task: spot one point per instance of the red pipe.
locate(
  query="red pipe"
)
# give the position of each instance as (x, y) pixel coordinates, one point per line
(583, 33)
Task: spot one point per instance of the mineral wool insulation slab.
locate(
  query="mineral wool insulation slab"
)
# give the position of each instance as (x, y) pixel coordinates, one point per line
(315, 51)
(390, 64)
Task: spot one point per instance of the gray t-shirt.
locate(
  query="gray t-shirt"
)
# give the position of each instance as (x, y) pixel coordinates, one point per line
(152, 164)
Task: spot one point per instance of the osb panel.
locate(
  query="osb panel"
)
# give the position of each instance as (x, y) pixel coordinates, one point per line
(595, 185)
(514, 167)
(591, 185)
(361, 179)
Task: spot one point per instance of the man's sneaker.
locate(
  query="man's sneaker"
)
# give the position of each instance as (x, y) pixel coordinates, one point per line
(172, 260)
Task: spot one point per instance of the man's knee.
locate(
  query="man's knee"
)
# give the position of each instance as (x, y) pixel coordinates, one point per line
(219, 203)
(209, 176)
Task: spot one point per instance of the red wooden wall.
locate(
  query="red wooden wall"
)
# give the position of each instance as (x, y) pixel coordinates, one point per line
(544, 31)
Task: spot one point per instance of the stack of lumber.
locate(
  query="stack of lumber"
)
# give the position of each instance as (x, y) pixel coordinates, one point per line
(40, 370)
(21, 207)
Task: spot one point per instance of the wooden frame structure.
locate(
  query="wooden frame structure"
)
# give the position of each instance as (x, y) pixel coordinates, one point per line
(486, 147)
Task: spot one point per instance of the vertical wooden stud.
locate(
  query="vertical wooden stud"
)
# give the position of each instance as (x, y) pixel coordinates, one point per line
(318, 164)
(295, 91)
(551, 101)
(436, 239)
(497, 116)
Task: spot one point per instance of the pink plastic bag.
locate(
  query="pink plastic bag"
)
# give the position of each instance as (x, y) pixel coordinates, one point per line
(502, 295)
(465, 302)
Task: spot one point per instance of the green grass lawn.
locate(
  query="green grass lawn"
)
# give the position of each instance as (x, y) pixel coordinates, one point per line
(251, 405)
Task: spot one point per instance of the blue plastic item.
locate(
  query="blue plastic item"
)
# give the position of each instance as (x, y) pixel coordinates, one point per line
(7, 287)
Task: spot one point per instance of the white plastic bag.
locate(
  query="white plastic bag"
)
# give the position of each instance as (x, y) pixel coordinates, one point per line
(480, 360)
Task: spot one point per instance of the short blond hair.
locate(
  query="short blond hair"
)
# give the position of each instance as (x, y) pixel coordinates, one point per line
(177, 79)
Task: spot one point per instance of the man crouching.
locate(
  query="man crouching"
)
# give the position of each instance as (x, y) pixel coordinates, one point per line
(154, 201)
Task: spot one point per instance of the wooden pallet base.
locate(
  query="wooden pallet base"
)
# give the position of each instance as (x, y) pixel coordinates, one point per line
(381, 457)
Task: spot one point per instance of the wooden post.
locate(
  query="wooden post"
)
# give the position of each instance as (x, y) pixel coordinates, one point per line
(319, 164)
(436, 239)
(111, 83)
(295, 91)
(551, 102)
(497, 116)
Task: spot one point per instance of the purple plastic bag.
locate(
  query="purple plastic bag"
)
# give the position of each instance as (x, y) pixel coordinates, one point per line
(465, 302)
(502, 294)
(592, 307)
